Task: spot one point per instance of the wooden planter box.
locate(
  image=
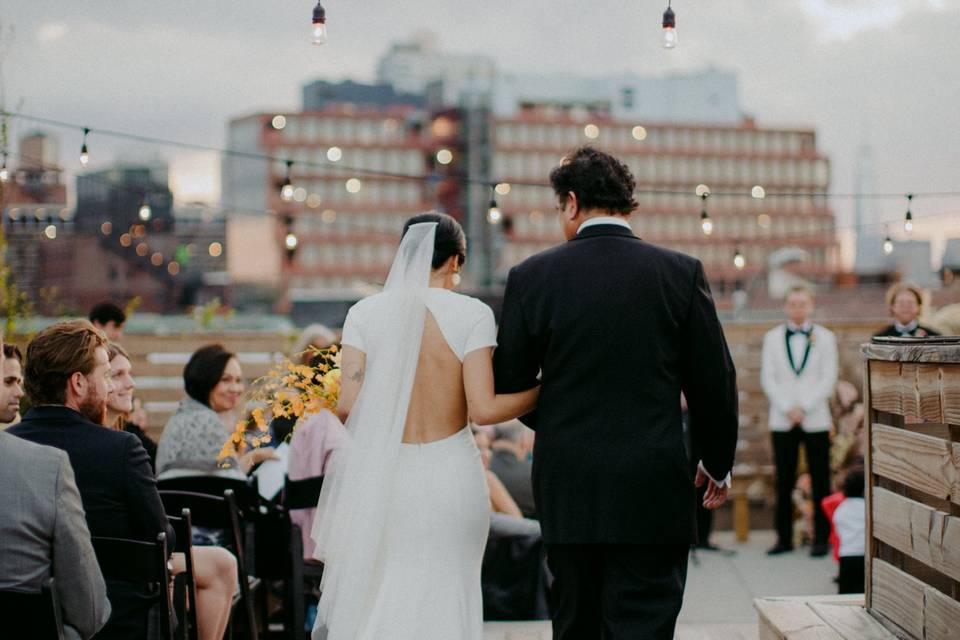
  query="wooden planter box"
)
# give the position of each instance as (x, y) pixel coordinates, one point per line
(912, 390)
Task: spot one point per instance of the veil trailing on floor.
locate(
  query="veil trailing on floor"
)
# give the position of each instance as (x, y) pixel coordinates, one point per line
(350, 526)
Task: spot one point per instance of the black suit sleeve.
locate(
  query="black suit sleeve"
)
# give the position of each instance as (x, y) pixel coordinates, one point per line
(709, 382)
(146, 508)
(515, 361)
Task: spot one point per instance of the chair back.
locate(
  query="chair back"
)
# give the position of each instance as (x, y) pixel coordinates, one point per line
(32, 615)
(139, 562)
(301, 494)
(186, 581)
(245, 491)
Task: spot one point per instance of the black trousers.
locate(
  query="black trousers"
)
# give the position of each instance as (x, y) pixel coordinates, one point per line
(786, 449)
(616, 591)
(852, 574)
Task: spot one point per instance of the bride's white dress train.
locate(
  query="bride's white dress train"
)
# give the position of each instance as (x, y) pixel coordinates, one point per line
(400, 527)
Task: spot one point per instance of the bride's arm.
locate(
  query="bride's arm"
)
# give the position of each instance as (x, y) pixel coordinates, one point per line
(353, 365)
(484, 405)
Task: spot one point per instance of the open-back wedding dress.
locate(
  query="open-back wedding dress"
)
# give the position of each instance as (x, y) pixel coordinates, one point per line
(401, 528)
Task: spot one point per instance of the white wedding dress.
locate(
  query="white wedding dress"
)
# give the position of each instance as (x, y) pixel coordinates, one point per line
(401, 528)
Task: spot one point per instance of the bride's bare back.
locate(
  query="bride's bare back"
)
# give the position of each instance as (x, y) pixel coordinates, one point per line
(438, 403)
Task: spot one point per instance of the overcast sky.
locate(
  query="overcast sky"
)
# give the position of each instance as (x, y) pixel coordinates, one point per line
(882, 72)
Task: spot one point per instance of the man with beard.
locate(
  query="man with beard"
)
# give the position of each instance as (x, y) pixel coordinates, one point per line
(11, 387)
(67, 378)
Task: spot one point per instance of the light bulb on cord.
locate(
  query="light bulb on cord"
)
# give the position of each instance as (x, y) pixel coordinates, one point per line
(908, 219)
(286, 189)
(145, 212)
(738, 260)
(669, 28)
(84, 155)
(705, 222)
(319, 29)
(494, 215)
(291, 241)
(887, 245)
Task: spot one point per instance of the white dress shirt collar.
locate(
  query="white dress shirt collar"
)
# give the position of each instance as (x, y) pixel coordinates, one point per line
(605, 220)
(906, 328)
(805, 327)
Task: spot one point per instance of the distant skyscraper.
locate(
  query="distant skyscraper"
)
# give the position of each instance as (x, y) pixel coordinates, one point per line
(320, 94)
(116, 194)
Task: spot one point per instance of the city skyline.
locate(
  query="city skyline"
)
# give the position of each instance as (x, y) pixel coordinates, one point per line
(856, 71)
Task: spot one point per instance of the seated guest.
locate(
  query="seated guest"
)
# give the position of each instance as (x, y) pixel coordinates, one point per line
(67, 378)
(509, 462)
(500, 500)
(906, 303)
(195, 434)
(120, 400)
(314, 440)
(110, 319)
(11, 390)
(215, 568)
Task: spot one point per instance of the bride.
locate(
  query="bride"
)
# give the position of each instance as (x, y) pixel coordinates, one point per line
(404, 512)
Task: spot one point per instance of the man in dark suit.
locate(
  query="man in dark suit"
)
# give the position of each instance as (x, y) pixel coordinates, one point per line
(616, 328)
(67, 381)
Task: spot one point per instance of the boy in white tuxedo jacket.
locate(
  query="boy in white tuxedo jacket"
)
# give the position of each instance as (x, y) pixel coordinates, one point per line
(798, 374)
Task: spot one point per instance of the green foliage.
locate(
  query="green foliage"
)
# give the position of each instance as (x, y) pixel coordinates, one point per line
(213, 315)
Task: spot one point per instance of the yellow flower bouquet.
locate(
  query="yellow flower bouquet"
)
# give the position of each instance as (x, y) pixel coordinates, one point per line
(289, 390)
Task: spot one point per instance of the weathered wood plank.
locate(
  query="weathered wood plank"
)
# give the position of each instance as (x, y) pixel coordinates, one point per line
(931, 350)
(914, 459)
(941, 616)
(950, 395)
(929, 406)
(928, 535)
(885, 394)
(793, 620)
(852, 623)
(899, 597)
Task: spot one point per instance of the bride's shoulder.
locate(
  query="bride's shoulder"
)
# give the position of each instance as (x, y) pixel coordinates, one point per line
(464, 303)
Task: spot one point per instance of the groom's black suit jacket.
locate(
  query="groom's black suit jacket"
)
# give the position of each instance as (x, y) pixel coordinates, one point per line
(618, 328)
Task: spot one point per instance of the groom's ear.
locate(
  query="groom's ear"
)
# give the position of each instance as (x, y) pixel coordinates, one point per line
(574, 209)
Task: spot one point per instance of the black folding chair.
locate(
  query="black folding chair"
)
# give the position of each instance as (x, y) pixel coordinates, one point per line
(139, 562)
(246, 492)
(185, 584)
(220, 513)
(32, 615)
(300, 494)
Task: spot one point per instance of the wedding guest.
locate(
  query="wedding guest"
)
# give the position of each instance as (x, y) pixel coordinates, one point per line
(139, 413)
(120, 400)
(850, 521)
(314, 441)
(194, 436)
(905, 302)
(798, 374)
(500, 500)
(110, 319)
(509, 463)
(215, 568)
(312, 338)
(67, 379)
(11, 391)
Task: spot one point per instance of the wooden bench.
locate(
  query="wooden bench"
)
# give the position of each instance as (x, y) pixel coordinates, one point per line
(817, 618)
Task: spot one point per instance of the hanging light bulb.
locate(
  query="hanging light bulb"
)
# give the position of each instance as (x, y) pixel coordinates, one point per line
(145, 212)
(4, 172)
(319, 28)
(286, 189)
(84, 155)
(887, 245)
(738, 260)
(494, 215)
(908, 219)
(669, 28)
(705, 222)
(291, 241)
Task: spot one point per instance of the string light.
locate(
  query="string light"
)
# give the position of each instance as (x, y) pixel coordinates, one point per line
(318, 30)
(888, 245)
(84, 154)
(494, 215)
(50, 231)
(4, 172)
(669, 28)
(706, 224)
(908, 219)
(290, 240)
(145, 212)
(286, 189)
(758, 192)
(738, 260)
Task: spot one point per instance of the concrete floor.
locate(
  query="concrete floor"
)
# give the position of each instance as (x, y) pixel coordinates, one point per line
(718, 603)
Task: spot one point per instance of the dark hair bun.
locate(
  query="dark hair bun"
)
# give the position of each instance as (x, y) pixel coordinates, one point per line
(449, 241)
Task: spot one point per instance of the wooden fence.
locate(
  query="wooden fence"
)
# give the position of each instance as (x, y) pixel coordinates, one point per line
(913, 487)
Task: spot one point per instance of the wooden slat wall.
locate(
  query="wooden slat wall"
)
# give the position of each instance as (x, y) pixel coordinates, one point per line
(913, 493)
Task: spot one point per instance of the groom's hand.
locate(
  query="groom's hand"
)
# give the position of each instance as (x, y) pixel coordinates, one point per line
(716, 494)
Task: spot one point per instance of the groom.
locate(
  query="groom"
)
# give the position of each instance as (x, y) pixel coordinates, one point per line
(616, 328)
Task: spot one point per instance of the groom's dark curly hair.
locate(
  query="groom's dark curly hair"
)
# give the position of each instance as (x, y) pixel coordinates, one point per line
(599, 181)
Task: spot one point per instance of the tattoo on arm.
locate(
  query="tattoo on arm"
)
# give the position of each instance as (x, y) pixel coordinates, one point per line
(356, 375)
